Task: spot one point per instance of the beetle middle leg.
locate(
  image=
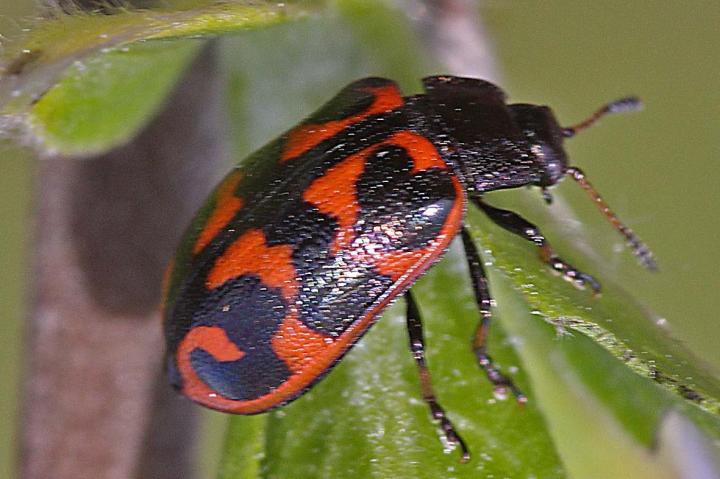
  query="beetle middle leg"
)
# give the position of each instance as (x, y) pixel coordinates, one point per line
(484, 302)
(518, 225)
(417, 346)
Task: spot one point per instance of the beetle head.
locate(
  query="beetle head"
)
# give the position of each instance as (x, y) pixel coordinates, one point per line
(545, 137)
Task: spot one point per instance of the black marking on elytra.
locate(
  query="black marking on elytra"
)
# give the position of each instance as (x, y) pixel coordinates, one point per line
(398, 211)
(229, 305)
(338, 293)
(251, 377)
(401, 210)
(246, 308)
(250, 313)
(309, 231)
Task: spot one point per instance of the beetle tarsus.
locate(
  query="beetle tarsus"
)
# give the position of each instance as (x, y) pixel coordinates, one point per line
(417, 347)
(484, 301)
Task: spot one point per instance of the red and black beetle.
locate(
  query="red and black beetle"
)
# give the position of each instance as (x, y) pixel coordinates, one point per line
(297, 252)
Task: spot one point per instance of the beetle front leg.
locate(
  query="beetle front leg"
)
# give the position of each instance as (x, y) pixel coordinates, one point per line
(417, 346)
(518, 225)
(484, 302)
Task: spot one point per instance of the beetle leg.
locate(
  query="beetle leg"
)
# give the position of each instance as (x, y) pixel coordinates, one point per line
(417, 346)
(484, 302)
(518, 225)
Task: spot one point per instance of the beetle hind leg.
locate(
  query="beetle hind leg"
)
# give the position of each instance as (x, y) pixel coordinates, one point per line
(417, 347)
(516, 224)
(484, 302)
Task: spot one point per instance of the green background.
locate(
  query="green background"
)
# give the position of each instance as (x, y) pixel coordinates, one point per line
(15, 210)
(659, 169)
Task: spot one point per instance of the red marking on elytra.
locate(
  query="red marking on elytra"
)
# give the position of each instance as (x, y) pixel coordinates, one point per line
(213, 340)
(334, 194)
(298, 345)
(420, 149)
(305, 137)
(226, 206)
(395, 264)
(250, 255)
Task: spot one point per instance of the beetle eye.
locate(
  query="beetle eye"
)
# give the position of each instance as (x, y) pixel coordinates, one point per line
(551, 162)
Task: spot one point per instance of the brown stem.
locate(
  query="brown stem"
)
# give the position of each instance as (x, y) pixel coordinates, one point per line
(106, 226)
(455, 36)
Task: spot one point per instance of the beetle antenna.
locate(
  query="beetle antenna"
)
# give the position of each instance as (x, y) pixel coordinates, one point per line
(630, 103)
(640, 249)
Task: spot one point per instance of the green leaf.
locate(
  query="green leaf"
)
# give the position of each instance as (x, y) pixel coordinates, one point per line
(84, 83)
(105, 100)
(587, 397)
(614, 321)
(245, 447)
(587, 358)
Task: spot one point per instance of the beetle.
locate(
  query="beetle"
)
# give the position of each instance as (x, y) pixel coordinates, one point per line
(298, 251)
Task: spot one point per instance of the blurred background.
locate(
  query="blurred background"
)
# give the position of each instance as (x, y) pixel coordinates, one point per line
(659, 169)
